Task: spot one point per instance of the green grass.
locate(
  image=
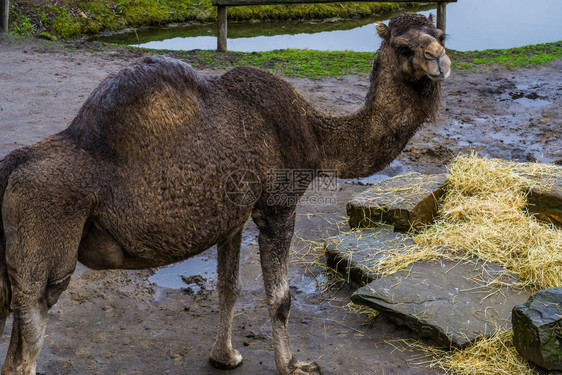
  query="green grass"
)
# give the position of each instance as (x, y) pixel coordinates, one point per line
(20, 23)
(312, 64)
(520, 57)
(289, 62)
(74, 18)
(307, 63)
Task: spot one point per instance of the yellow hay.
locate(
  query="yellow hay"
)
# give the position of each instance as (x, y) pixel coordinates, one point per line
(483, 215)
(493, 355)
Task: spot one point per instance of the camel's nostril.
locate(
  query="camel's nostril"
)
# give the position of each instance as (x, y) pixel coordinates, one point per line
(429, 56)
(434, 56)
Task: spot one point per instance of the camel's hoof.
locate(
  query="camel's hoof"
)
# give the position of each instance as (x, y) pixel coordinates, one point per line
(226, 362)
(304, 368)
(224, 366)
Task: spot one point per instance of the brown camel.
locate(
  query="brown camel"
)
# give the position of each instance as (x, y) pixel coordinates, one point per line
(162, 163)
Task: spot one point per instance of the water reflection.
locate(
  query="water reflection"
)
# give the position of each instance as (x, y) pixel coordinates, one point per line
(471, 25)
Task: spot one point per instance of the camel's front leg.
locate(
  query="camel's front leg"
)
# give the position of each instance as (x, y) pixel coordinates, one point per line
(229, 285)
(276, 231)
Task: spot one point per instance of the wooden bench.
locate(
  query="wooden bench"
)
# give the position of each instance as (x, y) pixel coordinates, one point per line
(222, 6)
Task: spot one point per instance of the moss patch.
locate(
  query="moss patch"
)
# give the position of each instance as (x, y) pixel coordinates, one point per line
(71, 18)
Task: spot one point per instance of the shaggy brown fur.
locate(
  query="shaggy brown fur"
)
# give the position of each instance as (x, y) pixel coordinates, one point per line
(141, 176)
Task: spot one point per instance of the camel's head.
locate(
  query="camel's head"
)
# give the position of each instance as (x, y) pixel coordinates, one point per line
(417, 45)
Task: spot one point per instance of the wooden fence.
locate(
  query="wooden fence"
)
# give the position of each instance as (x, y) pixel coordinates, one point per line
(4, 12)
(222, 6)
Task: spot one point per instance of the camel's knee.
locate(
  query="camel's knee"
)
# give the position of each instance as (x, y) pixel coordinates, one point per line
(283, 308)
(279, 304)
(229, 281)
(231, 288)
(274, 222)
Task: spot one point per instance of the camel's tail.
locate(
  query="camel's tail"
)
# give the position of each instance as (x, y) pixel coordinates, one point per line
(9, 164)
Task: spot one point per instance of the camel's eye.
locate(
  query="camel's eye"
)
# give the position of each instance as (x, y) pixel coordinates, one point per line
(404, 50)
(440, 36)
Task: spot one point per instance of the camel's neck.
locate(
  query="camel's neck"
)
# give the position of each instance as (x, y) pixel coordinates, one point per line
(365, 142)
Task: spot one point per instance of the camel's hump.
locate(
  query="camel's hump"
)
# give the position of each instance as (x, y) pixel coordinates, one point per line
(144, 77)
(125, 100)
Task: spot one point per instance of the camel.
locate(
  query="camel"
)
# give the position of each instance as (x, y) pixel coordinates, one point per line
(141, 178)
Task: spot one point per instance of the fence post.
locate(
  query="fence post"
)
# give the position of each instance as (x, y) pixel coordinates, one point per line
(442, 17)
(221, 19)
(4, 13)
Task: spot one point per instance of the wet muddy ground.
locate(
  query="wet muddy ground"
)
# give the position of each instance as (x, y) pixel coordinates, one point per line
(125, 322)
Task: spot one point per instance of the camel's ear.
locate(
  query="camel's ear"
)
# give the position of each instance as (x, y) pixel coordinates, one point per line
(431, 19)
(383, 30)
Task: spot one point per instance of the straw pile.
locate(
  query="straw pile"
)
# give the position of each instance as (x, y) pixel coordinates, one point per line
(483, 215)
(493, 355)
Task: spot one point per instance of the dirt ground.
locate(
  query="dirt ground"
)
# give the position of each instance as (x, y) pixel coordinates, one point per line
(118, 322)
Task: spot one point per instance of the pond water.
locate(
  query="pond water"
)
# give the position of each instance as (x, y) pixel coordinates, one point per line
(471, 25)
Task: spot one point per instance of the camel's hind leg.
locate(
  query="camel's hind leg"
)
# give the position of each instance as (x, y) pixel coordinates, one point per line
(4, 292)
(30, 307)
(230, 287)
(43, 227)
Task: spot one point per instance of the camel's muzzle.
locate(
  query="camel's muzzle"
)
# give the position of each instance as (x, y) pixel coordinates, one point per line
(439, 67)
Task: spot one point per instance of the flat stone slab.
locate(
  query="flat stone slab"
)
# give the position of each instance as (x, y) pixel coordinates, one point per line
(445, 301)
(537, 328)
(356, 253)
(545, 199)
(405, 201)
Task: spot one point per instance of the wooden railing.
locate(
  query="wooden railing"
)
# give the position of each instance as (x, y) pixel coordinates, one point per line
(4, 12)
(222, 12)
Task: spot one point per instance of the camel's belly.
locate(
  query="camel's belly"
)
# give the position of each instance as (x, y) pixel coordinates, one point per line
(171, 221)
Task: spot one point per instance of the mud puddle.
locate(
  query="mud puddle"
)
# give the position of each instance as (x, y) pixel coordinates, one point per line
(195, 274)
(308, 284)
(192, 275)
(371, 180)
(525, 96)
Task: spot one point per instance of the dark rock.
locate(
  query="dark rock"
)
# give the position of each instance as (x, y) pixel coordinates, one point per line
(537, 328)
(445, 301)
(406, 201)
(355, 254)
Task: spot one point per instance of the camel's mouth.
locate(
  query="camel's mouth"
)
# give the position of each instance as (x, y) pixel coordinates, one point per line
(439, 77)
